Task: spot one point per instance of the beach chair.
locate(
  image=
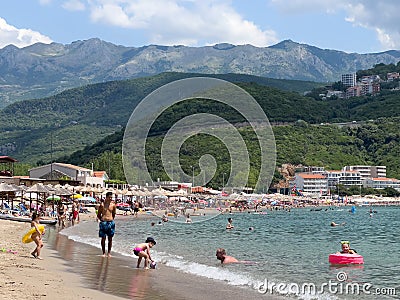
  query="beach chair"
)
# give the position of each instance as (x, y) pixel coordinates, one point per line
(23, 210)
(8, 208)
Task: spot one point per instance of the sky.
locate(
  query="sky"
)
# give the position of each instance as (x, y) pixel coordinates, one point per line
(361, 26)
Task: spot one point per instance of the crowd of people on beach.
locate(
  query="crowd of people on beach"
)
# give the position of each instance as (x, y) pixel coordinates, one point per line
(106, 212)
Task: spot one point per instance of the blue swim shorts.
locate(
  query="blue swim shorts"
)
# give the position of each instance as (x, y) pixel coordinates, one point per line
(106, 228)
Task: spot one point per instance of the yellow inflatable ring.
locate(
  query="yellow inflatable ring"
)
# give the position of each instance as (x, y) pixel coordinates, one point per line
(27, 238)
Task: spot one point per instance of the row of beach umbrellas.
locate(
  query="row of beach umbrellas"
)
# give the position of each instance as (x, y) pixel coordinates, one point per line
(77, 191)
(56, 192)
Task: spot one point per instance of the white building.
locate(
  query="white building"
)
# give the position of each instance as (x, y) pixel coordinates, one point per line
(382, 183)
(367, 171)
(392, 76)
(349, 80)
(350, 178)
(311, 183)
(345, 178)
(61, 170)
(333, 178)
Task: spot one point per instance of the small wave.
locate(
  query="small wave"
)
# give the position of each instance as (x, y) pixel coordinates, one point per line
(210, 272)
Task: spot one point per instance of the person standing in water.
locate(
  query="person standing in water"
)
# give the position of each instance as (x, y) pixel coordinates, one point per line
(229, 225)
(61, 213)
(106, 214)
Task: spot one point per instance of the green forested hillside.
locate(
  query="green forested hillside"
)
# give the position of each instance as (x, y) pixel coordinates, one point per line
(34, 131)
(331, 146)
(80, 117)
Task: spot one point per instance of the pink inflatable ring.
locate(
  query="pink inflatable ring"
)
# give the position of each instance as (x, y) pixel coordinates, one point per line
(345, 259)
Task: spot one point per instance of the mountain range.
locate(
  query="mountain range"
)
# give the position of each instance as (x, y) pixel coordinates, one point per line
(43, 70)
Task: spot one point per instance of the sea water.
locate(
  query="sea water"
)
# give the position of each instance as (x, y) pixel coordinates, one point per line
(285, 252)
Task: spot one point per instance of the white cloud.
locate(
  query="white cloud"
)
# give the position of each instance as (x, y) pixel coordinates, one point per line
(73, 5)
(19, 37)
(381, 16)
(172, 22)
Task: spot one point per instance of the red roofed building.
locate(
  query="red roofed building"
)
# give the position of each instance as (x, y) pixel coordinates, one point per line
(382, 183)
(101, 174)
(311, 183)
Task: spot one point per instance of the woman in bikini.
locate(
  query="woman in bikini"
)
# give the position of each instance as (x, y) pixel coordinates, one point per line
(61, 214)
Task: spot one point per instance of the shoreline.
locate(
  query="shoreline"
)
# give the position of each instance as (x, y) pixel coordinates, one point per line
(72, 270)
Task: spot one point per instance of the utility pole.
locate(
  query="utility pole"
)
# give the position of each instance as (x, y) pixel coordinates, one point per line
(51, 154)
(192, 177)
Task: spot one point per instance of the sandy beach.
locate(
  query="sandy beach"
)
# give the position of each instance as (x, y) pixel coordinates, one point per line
(72, 270)
(24, 277)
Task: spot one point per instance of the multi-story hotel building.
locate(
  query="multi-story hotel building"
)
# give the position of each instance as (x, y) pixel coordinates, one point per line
(311, 183)
(368, 171)
(349, 80)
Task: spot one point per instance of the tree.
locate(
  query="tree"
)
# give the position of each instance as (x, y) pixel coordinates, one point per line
(391, 192)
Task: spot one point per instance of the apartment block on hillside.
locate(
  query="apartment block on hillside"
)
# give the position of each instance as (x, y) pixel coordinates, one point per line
(367, 171)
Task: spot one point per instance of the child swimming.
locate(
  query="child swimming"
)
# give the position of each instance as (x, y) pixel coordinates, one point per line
(143, 251)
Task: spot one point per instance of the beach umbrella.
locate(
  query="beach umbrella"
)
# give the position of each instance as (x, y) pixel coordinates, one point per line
(63, 192)
(130, 193)
(6, 188)
(87, 199)
(53, 198)
(159, 192)
(38, 188)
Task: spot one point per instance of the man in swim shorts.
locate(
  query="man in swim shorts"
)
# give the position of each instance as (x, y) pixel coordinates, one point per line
(106, 214)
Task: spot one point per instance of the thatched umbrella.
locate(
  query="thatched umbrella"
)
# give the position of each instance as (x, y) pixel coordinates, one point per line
(21, 189)
(37, 188)
(6, 189)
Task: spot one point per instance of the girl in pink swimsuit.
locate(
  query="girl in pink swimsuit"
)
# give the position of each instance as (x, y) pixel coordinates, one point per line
(143, 251)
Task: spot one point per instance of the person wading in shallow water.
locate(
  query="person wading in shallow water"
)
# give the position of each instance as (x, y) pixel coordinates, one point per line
(225, 259)
(106, 215)
(229, 225)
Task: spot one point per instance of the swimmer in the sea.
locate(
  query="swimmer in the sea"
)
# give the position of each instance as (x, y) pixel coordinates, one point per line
(225, 259)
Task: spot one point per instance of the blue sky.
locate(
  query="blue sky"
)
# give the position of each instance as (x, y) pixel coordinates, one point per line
(352, 26)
